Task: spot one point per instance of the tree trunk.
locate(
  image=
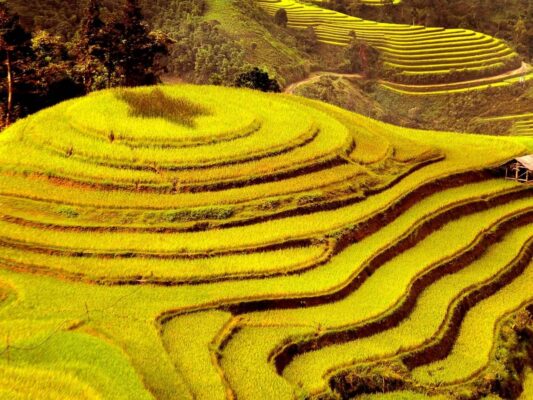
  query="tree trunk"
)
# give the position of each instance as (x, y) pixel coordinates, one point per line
(9, 110)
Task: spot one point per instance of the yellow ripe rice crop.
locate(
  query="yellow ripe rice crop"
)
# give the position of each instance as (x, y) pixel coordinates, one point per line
(224, 243)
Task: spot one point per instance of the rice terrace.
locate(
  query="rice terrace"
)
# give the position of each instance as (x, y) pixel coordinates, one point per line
(174, 227)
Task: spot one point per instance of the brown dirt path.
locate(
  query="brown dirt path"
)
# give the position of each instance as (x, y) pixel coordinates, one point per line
(315, 76)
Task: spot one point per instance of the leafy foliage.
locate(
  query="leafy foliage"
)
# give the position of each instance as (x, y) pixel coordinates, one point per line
(16, 72)
(259, 207)
(363, 58)
(132, 48)
(257, 79)
(204, 54)
(41, 71)
(280, 17)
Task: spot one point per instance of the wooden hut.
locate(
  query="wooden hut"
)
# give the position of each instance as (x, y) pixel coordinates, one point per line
(520, 169)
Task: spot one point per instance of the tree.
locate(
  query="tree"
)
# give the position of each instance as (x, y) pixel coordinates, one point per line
(519, 33)
(134, 50)
(352, 53)
(309, 39)
(479, 13)
(92, 49)
(16, 69)
(56, 79)
(206, 54)
(385, 7)
(257, 79)
(363, 58)
(354, 7)
(337, 5)
(121, 52)
(281, 18)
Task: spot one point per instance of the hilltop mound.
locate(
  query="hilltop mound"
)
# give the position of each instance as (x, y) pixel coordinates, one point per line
(192, 158)
(208, 242)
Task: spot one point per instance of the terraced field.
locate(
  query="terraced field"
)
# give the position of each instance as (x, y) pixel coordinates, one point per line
(416, 59)
(520, 124)
(516, 78)
(377, 3)
(224, 243)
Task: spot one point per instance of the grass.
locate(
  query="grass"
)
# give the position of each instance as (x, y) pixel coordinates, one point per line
(395, 276)
(190, 338)
(238, 361)
(109, 358)
(473, 346)
(391, 280)
(528, 386)
(26, 383)
(156, 104)
(327, 278)
(179, 269)
(522, 124)
(262, 47)
(96, 160)
(60, 360)
(401, 395)
(422, 324)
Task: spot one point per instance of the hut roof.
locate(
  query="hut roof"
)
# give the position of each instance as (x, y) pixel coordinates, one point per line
(526, 161)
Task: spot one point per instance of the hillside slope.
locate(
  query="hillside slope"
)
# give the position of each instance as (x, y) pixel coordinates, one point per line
(412, 55)
(264, 43)
(242, 24)
(203, 242)
(421, 94)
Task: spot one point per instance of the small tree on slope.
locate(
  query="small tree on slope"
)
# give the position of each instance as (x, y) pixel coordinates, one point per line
(92, 49)
(135, 50)
(16, 69)
(281, 18)
(257, 79)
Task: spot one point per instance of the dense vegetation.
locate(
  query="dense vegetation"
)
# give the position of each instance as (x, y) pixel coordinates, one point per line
(63, 17)
(410, 55)
(39, 69)
(201, 48)
(210, 48)
(88, 53)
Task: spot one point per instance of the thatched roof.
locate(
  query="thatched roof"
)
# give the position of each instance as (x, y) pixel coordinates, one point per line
(526, 161)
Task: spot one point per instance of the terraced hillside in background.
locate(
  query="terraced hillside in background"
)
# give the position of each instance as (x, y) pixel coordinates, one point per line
(519, 124)
(377, 3)
(416, 59)
(206, 242)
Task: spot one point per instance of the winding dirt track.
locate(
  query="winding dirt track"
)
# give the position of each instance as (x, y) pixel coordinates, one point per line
(315, 76)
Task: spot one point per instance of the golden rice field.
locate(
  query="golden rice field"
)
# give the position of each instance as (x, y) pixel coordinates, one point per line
(377, 3)
(230, 244)
(417, 60)
(521, 124)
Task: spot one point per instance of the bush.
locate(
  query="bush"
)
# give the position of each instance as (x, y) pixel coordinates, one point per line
(257, 79)
(281, 18)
